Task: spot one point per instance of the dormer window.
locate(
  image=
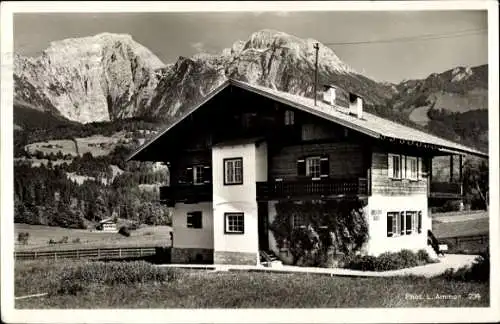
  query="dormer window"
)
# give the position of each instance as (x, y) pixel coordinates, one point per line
(289, 117)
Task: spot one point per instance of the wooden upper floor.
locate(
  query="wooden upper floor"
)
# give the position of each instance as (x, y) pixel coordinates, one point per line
(308, 155)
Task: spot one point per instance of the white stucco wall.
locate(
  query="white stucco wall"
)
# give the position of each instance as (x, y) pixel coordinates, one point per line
(235, 198)
(185, 237)
(378, 241)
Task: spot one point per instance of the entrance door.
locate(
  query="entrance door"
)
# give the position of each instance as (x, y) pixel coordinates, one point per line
(263, 225)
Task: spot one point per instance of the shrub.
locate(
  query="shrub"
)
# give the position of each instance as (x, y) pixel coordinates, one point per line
(124, 230)
(387, 261)
(51, 241)
(23, 237)
(64, 240)
(424, 257)
(361, 262)
(76, 240)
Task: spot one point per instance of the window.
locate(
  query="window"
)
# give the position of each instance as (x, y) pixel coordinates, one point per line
(234, 223)
(411, 168)
(198, 174)
(394, 166)
(313, 168)
(233, 171)
(404, 223)
(316, 167)
(194, 219)
(289, 117)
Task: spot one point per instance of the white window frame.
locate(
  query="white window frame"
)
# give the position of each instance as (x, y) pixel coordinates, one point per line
(391, 166)
(411, 168)
(233, 171)
(198, 174)
(234, 223)
(309, 161)
(399, 224)
(289, 117)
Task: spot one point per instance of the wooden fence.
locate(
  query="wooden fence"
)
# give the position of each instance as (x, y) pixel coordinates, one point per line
(471, 244)
(100, 253)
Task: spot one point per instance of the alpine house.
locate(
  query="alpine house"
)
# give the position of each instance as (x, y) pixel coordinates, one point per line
(245, 149)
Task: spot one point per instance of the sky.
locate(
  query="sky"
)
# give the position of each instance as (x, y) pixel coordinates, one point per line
(170, 35)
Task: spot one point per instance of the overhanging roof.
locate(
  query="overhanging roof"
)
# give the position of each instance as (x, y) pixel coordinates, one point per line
(370, 124)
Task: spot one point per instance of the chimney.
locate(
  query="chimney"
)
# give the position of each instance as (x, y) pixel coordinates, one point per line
(355, 105)
(329, 94)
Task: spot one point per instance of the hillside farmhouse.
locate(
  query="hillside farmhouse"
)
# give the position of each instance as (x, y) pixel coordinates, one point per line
(245, 149)
(107, 225)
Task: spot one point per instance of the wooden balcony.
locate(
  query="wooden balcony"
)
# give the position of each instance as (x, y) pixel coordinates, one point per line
(185, 193)
(310, 189)
(445, 190)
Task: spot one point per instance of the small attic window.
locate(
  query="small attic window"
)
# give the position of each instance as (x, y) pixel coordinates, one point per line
(289, 117)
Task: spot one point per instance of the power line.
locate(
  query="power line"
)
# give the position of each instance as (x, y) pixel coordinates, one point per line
(469, 32)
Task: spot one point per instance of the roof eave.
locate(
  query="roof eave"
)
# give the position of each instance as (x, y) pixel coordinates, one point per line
(193, 109)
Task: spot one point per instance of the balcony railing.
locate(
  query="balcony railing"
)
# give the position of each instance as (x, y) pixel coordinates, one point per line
(447, 190)
(324, 188)
(186, 193)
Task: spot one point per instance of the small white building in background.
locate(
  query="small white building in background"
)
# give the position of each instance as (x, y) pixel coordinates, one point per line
(107, 225)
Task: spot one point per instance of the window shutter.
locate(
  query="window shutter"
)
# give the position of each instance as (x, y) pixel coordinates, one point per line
(404, 162)
(420, 222)
(419, 168)
(409, 219)
(324, 166)
(390, 171)
(402, 223)
(389, 225)
(189, 174)
(301, 166)
(207, 174)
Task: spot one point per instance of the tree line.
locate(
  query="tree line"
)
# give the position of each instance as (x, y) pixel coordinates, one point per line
(45, 196)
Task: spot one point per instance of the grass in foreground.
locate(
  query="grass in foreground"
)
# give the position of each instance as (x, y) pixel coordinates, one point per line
(140, 285)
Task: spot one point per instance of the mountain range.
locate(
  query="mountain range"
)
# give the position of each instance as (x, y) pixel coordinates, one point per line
(108, 77)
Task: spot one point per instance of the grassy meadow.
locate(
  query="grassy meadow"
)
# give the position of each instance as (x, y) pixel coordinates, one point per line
(80, 284)
(39, 237)
(464, 228)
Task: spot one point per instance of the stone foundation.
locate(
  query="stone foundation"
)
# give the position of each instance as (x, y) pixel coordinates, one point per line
(192, 255)
(226, 257)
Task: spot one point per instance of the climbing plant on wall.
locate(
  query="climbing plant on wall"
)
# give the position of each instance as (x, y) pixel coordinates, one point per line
(326, 228)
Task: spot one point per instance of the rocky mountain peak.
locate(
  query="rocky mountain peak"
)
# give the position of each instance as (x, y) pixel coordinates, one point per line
(460, 73)
(95, 78)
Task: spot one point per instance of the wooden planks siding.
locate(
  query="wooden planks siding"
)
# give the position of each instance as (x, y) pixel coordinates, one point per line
(383, 185)
(345, 159)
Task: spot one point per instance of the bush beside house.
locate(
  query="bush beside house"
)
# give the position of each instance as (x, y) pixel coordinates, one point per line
(388, 261)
